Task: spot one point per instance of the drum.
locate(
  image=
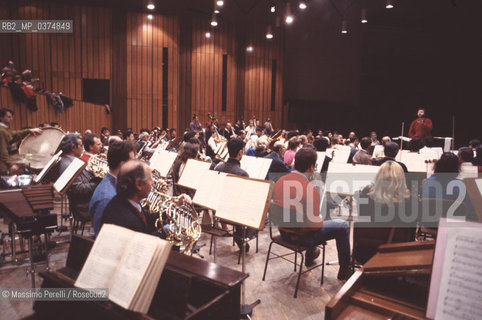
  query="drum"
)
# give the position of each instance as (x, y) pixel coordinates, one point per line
(37, 151)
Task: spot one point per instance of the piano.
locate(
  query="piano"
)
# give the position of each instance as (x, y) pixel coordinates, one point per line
(189, 288)
(393, 284)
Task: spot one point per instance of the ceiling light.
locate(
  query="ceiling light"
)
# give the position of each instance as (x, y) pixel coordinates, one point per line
(216, 11)
(302, 5)
(344, 29)
(273, 9)
(214, 22)
(220, 3)
(288, 17)
(389, 4)
(151, 6)
(150, 17)
(249, 48)
(364, 18)
(208, 35)
(269, 33)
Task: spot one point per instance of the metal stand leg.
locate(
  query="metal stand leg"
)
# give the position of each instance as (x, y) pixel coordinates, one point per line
(246, 309)
(31, 270)
(47, 252)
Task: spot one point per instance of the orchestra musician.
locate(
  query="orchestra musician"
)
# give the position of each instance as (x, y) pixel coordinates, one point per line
(228, 131)
(313, 230)
(119, 152)
(195, 124)
(81, 190)
(134, 182)
(92, 146)
(233, 166)
(8, 139)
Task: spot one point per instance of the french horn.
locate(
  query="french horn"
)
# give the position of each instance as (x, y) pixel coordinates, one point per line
(182, 218)
(98, 165)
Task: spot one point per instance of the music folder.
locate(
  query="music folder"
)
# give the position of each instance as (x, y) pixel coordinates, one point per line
(69, 175)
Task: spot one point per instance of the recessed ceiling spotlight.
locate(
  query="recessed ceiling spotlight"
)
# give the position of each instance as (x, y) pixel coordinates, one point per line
(214, 22)
(151, 6)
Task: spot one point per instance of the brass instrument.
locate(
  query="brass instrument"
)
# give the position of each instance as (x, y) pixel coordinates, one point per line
(183, 220)
(98, 165)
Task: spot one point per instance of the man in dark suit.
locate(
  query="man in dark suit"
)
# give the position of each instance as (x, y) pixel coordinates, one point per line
(391, 151)
(81, 190)
(134, 183)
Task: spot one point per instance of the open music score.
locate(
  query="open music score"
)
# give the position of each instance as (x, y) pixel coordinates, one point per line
(235, 199)
(69, 175)
(245, 201)
(256, 167)
(162, 161)
(208, 193)
(455, 286)
(48, 167)
(339, 155)
(126, 262)
(417, 162)
(347, 178)
(320, 159)
(191, 175)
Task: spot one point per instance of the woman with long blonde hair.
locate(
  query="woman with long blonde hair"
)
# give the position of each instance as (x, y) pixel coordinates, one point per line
(390, 184)
(386, 212)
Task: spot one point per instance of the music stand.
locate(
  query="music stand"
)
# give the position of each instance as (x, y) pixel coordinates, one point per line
(256, 220)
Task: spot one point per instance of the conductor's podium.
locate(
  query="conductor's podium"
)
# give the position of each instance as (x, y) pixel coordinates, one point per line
(189, 288)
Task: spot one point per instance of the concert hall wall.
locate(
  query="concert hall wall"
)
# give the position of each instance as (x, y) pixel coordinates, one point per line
(161, 71)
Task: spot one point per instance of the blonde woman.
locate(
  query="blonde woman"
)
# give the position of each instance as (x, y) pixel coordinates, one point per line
(386, 214)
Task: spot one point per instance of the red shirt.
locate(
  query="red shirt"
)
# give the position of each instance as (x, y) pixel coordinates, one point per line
(300, 194)
(420, 130)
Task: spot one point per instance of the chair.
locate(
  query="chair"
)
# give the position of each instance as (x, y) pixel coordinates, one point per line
(432, 209)
(79, 219)
(276, 212)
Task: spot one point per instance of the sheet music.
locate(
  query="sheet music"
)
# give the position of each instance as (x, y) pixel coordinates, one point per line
(47, 167)
(378, 150)
(319, 160)
(162, 161)
(137, 258)
(192, 172)
(243, 201)
(104, 258)
(339, 155)
(460, 291)
(416, 162)
(210, 189)
(257, 168)
(478, 182)
(468, 172)
(346, 178)
(68, 174)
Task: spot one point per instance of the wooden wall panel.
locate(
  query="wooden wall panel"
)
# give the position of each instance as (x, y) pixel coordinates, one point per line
(61, 60)
(206, 71)
(258, 75)
(145, 42)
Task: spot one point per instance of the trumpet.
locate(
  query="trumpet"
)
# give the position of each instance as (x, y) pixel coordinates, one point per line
(98, 165)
